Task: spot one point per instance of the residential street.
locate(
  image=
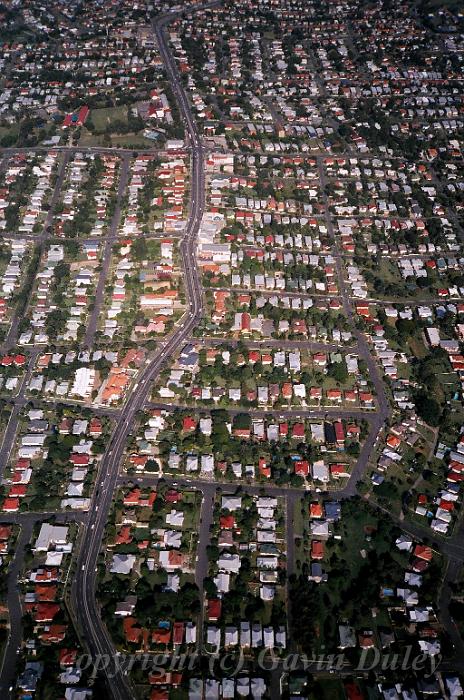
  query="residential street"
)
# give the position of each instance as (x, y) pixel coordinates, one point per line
(107, 251)
(18, 403)
(8, 668)
(39, 241)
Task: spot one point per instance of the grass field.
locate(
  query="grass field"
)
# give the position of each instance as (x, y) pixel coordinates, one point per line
(130, 140)
(117, 140)
(107, 115)
(107, 118)
(7, 130)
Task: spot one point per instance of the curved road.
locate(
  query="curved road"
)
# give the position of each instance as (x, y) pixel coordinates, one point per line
(93, 632)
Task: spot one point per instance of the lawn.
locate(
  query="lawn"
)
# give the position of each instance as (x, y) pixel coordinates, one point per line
(11, 130)
(384, 279)
(191, 497)
(417, 346)
(451, 428)
(389, 272)
(191, 518)
(131, 141)
(117, 140)
(106, 116)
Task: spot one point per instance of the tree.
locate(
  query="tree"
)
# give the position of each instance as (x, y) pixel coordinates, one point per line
(209, 587)
(428, 408)
(242, 421)
(55, 323)
(353, 449)
(253, 607)
(405, 327)
(219, 430)
(338, 371)
(212, 552)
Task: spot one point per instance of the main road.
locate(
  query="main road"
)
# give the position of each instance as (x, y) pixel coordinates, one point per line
(84, 605)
